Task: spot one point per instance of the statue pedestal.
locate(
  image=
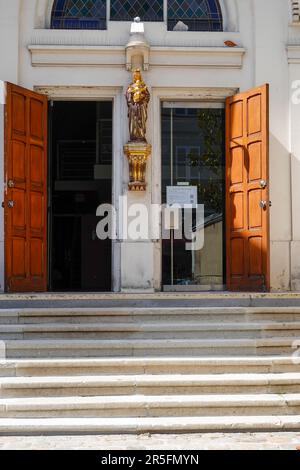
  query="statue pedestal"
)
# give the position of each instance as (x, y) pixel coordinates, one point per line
(137, 154)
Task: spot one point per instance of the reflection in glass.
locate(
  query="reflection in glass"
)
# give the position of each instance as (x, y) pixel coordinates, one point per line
(193, 154)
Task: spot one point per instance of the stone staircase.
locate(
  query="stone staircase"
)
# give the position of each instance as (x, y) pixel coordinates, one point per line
(149, 369)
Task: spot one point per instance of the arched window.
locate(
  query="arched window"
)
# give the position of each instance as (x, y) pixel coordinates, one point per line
(147, 10)
(78, 14)
(197, 15)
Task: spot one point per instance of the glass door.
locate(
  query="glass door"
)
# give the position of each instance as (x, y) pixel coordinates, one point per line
(193, 155)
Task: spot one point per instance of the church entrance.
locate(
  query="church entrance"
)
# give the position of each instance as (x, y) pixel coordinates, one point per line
(52, 192)
(80, 179)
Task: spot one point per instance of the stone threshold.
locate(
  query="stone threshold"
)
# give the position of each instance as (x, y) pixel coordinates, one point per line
(148, 296)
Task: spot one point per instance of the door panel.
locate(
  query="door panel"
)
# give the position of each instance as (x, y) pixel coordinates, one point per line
(26, 190)
(247, 186)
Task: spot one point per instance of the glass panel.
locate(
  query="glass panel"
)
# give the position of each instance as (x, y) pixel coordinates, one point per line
(193, 154)
(197, 15)
(127, 10)
(79, 14)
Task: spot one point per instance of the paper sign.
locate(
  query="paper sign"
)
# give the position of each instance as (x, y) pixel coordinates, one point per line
(182, 195)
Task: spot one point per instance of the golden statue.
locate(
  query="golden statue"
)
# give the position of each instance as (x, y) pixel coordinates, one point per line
(137, 97)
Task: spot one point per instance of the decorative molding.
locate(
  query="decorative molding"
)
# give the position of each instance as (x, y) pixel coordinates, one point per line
(101, 56)
(293, 53)
(64, 56)
(79, 92)
(210, 57)
(138, 49)
(295, 5)
(137, 154)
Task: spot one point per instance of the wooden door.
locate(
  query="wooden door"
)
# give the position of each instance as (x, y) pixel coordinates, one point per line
(25, 203)
(247, 191)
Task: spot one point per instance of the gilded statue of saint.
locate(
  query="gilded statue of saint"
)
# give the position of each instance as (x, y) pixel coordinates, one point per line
(137, 97)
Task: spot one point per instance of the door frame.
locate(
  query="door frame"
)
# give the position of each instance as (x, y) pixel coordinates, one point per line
(114, 94)
(159, 95)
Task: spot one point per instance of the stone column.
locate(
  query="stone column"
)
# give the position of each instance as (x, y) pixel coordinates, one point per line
(295, 172)
(271, 67)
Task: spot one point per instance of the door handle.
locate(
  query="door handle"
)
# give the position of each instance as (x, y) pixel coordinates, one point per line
(11, 184)
(263, 184)
(264, 204)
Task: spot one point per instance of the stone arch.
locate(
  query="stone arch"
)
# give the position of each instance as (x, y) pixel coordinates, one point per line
(230, 15)
(43, 11)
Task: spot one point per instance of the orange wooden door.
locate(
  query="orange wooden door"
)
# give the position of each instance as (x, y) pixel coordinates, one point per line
(25, 202)
(247, 191)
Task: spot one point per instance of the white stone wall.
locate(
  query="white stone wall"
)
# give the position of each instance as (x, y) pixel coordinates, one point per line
(270, 66)
(261, 29)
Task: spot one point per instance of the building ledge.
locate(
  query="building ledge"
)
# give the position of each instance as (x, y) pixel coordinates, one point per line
(293, 53)
(166, 56)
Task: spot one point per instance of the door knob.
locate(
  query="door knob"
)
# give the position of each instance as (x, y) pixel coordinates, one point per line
(10, 204)
(263, 204)
(11, 184)
(263, 184)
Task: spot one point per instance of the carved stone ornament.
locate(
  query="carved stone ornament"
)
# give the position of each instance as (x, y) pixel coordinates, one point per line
(138, 49)
(137, 154)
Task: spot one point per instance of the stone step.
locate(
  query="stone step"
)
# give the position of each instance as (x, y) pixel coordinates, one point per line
(129, 366)
(148, 347)
(60, 386)
(164, 315)
(151, 406)
(81, 426)
(140, 330)
(149, 300)
(157, 330)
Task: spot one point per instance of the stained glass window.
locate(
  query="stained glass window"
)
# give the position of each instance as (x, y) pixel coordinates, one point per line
(79, 14)
(147, 10)
(197, 15)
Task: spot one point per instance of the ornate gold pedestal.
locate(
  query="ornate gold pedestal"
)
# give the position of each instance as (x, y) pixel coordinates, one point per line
(137, 154)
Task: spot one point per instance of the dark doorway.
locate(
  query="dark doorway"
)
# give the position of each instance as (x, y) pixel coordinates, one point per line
(80, 180)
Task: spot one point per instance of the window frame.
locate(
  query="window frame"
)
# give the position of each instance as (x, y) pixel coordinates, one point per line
(103, 22)
(130, 19)
(99, 24)
(194, 20)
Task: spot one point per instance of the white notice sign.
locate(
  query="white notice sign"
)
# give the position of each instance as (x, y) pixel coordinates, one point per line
(182, 195)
